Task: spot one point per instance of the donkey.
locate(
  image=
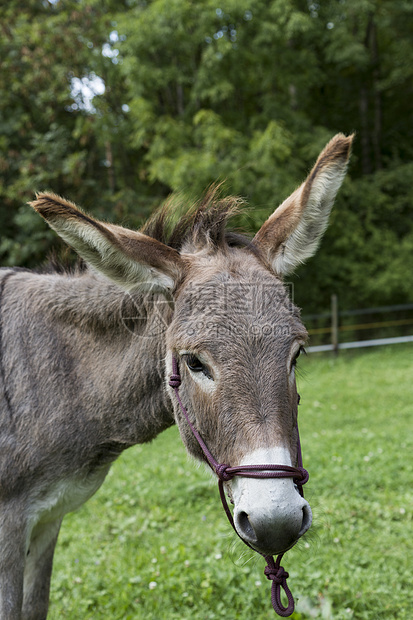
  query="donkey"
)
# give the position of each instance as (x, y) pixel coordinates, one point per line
(85, 356)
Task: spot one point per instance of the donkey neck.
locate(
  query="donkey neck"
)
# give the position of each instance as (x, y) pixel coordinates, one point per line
(108, 349)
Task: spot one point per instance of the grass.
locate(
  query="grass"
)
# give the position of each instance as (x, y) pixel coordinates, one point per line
(154, 543)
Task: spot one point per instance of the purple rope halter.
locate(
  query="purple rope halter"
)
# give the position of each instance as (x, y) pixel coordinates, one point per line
(273, 571)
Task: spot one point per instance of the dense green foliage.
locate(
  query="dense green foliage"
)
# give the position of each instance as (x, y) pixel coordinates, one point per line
(243, 90)
(154, 542)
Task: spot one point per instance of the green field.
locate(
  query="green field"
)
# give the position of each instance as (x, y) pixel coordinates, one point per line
(154, 543)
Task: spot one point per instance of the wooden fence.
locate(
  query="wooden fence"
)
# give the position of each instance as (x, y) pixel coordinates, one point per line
(335, 330)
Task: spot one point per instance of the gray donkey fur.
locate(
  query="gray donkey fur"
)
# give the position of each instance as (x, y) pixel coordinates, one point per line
(84, 358)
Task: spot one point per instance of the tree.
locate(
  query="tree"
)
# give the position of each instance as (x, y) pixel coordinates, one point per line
(50, 136)
(248, 91)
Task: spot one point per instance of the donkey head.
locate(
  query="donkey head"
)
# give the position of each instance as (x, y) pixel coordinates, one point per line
(234, 331)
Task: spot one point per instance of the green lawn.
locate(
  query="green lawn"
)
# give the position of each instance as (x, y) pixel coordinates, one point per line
(154, 543)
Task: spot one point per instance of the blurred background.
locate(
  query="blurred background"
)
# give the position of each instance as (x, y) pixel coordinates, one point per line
(115, 104)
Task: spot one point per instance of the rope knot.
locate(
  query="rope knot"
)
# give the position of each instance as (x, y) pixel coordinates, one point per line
(276, 574)
(304, 476)
(222, 473)
(175, 381)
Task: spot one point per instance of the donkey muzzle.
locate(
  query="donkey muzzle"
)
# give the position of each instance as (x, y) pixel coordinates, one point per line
(269, 514)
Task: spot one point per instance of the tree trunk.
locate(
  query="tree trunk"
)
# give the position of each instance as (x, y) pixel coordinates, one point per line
(364, 136)
(109, 164)
(376, 137)
(180, 99)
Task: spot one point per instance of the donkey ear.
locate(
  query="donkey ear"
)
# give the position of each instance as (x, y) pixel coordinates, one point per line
(129, 258)
(293, 232)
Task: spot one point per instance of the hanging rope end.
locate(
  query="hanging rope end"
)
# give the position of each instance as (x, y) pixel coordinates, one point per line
(278, 576)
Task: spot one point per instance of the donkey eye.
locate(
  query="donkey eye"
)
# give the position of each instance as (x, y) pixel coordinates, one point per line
(195, 365)
(297, 355)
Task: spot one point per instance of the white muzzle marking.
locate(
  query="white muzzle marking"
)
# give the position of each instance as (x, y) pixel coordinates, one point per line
(269, 513)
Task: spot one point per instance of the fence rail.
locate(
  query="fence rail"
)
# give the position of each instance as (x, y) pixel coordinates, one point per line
(359, 326)
(359, 344)
(337, 328)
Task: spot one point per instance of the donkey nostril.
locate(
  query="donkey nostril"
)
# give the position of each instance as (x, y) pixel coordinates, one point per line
(245, 527)
(307, 520)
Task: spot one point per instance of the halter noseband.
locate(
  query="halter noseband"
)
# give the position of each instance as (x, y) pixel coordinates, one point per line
(273, 571)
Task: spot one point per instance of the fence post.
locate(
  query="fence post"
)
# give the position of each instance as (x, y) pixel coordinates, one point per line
(334, 324)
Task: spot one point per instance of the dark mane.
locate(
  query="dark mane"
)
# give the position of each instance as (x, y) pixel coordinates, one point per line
(205, 223)
(64, 263)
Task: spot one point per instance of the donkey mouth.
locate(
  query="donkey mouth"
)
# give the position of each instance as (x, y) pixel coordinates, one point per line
(272, 537)
(267, 548)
